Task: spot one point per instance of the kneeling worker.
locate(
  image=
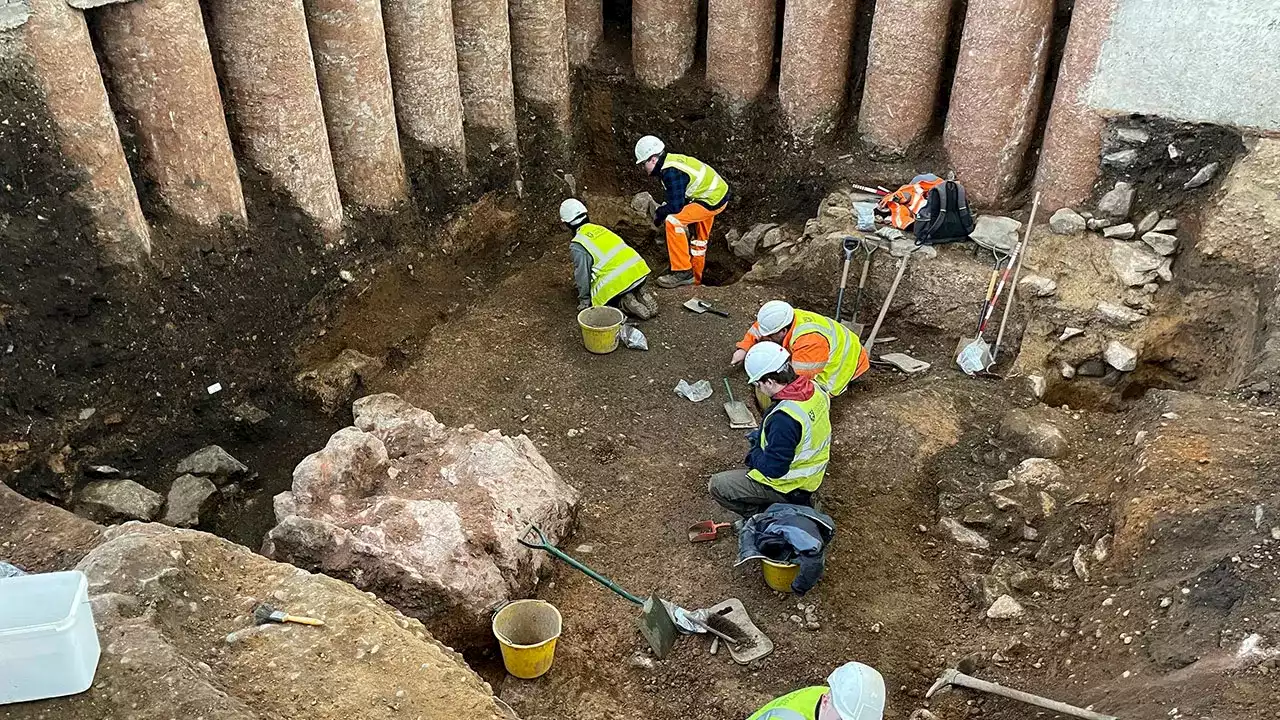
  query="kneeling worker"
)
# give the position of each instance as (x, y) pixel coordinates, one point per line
(695, 194)
(853, 692)
(789, 452)
(821, 348)
(606, 269)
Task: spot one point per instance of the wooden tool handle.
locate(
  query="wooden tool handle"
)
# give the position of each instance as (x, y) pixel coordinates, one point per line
(302, 620)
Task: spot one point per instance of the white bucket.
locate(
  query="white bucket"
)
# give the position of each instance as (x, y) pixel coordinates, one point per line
(48, 644)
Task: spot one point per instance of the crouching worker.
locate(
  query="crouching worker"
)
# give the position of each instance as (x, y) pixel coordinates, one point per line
(853, 692)
(789, 451)
(606, 269)
(821, 348)
(789, 534)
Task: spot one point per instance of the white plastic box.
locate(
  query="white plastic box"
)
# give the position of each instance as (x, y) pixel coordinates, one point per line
(48, 643)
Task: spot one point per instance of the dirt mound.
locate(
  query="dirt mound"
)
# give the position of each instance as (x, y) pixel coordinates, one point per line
(174, 612)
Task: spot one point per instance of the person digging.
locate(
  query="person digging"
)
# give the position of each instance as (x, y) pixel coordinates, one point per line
(606, 269)
(790, 450)
(854, 691)
(821, 349)
(695, 195)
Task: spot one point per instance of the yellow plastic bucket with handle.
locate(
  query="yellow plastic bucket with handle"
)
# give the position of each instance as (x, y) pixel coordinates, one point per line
(779, 576)
(600, 327)
(527, 631)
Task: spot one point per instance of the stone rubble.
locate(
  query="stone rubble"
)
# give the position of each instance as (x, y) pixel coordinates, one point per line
(1123, 231)
(1118, 315)
(1120, 356)
(1117, 201)
(1037, 286)
(1161, 243)
(1134, 264)
(213, 462)
(1005, 608)
(189, 496)
(1033, 433)
(107, 501)
(1202, 176)
(996, 231)
(1067, 222)
(1121, 159)
(1148, 222)
(1134, 136)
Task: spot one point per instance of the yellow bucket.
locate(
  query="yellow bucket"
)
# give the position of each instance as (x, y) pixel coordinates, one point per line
(527, 631)
(600, 326)
(779, 576)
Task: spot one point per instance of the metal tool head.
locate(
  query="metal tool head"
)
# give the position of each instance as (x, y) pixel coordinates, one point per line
(695, 305)
(705, 531)
(944, 681)
(657, 627)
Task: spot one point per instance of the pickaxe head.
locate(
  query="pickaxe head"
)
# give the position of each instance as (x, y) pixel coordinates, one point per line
(944, 680)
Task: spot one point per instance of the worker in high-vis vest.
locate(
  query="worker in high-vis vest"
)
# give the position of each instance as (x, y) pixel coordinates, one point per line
(821, 348)
(853, 692)
(790, 450)
(695, 195)
(606, 269)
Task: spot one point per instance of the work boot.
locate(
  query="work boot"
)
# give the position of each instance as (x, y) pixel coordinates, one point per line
(650, 301)
(632, 305)
(675, 279)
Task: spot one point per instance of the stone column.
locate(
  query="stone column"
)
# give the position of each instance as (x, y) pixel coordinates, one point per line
(272, 97)
(162, 78)
(903, 72)
(55, 40)
(355, 86)
(663, 36)
(813, 83)
(424, 74)
(1073, 136)
(996, 94)
(586, 29)
(540, 60)
(740, 48)
(483, 39)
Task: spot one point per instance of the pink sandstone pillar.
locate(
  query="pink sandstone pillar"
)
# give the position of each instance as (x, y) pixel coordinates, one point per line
(586, 28)
(996, 94)
(814, 78)
(540, 60)
(55, 40)
(903, 72)
(424, 75)
(270, 81)
(663, 36)
(355, 87)
(740, 48)
(1073, 136)
(483, 38)
(162, 76)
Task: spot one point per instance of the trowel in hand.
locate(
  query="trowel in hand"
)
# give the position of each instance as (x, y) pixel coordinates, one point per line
(740, 417)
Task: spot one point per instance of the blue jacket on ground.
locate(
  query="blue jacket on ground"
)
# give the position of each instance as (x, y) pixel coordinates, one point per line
(789, 533)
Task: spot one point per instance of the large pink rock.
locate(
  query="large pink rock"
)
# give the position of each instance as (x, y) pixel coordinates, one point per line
(423, 515)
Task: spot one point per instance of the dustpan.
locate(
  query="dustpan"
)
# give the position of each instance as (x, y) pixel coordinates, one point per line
(740, 417)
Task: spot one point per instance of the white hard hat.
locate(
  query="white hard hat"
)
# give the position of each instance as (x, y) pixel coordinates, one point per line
(764, 358)
(571, 210)
(857, 692)
(647, 147)
(774, 316)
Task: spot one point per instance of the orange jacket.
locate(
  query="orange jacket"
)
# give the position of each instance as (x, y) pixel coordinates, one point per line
(905, 202)
(809, 353)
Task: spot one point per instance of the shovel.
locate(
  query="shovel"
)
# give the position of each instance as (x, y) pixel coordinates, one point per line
(740, 417)
(656, 624)
(884, 309)
(702, 306)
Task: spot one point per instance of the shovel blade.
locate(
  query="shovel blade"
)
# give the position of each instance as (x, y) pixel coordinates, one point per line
(974, 355)
(740, 417)
(853, 327)
(657, 627)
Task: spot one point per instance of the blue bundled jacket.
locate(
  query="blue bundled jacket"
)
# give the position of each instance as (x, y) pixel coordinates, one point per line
(789, 533)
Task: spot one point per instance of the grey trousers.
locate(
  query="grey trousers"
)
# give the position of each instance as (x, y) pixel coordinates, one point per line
(733, 490)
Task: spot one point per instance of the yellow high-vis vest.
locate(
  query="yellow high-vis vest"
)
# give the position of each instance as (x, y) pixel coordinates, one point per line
(705, 184)
(846, 350)
(814, 451)
(799, 705)
(615, 265)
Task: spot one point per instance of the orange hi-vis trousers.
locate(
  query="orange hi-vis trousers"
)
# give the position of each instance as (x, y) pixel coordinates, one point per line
(685, 252)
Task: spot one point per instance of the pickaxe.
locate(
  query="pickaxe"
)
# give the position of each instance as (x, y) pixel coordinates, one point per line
(952, 676)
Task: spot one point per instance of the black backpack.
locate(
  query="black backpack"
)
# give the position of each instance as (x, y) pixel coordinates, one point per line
(945, 217)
